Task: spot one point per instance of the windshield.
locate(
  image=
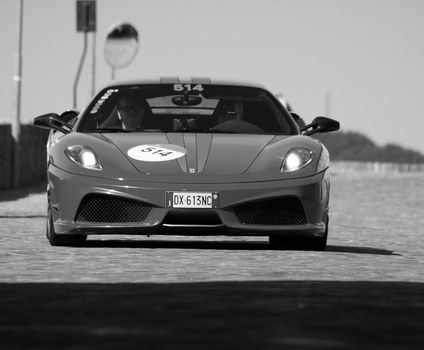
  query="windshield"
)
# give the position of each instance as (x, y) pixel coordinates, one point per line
(186, 108)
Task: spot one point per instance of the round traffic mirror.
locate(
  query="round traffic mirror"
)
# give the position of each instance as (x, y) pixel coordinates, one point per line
(121, 45)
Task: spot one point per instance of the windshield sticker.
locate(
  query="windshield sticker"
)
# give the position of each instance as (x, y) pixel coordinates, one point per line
(102, 99)
(156, 153)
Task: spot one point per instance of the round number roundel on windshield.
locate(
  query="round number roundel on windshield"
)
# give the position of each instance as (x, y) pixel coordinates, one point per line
(156, 153)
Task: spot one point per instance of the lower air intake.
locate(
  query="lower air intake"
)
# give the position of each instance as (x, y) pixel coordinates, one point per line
(277, 211)
(101, 208)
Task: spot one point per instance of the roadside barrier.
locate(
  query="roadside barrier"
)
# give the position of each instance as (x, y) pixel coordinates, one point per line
(6, 151)
(32, 155)
(376, 167)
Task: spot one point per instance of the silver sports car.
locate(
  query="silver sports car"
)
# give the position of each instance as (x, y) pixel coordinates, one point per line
(187, 157)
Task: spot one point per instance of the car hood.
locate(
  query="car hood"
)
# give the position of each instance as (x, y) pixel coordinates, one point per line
(194, 153)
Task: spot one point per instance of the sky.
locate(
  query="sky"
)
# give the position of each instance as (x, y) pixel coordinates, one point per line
(358, 61)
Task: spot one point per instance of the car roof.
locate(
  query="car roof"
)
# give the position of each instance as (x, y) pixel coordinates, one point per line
(184, 80)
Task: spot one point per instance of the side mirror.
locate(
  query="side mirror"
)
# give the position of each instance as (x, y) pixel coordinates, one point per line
(321, 124)
(69, 117)
(52, 121)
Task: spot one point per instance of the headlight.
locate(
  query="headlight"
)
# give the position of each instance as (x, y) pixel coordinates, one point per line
(324, 160)
(296, 159)
(83, 156)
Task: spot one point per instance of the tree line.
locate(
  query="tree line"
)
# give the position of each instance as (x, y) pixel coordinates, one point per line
(358, 147)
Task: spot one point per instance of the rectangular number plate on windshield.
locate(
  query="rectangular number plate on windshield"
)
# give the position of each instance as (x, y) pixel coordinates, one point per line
(191, 199)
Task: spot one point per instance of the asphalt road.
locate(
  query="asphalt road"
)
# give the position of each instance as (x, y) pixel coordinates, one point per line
(365, 291)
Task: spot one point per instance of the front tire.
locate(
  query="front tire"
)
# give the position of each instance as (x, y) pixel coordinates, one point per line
(309, 243)
(70, 240)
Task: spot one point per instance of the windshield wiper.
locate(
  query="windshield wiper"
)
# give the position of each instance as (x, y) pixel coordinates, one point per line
(113, 130)
(207, 131)
(224, 132)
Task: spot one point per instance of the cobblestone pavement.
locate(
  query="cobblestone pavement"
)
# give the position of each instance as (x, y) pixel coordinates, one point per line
(375, 235)
(364, 291)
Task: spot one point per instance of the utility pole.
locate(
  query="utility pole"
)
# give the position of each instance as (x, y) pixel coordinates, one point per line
(328, 104)
(16, 123)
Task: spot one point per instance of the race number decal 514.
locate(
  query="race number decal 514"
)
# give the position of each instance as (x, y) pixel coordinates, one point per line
(188, 87)
(156, 153)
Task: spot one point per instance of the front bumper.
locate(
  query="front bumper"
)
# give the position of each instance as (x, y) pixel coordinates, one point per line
(67, 191)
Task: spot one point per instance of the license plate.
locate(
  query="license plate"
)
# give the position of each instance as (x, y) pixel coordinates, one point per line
(192, 199)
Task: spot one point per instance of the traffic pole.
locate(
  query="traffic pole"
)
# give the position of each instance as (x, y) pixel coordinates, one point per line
(77, 77)
(93, 65)
(86, 22)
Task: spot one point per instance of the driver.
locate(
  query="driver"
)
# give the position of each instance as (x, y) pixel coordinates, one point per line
(229, 110)
(131, 112)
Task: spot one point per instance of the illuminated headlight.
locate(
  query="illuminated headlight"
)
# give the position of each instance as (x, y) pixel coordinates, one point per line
(296, 159)
(83, 156)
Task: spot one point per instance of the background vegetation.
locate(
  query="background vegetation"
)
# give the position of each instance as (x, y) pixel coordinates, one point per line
(358, 147)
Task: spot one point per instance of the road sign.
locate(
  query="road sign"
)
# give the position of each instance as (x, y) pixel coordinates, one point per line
(86, 16)
(121, 45)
